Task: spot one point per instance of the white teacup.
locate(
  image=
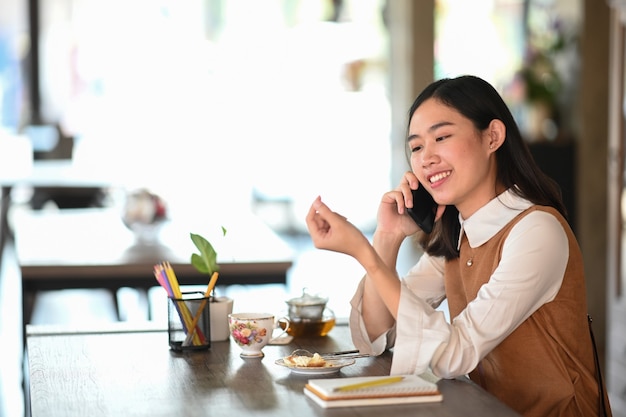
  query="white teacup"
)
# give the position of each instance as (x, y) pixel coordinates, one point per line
(252, 331)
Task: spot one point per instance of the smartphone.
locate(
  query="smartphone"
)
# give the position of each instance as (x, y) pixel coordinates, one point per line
(424, 209)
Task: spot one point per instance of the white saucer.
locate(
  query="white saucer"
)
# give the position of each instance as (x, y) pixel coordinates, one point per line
(331, 366)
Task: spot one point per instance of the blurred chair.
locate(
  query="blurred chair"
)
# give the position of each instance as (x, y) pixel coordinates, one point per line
(49, 142)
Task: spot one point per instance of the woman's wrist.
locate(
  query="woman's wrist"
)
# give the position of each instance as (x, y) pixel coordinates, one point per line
(387, 240)
(371, 261)
(387, 247)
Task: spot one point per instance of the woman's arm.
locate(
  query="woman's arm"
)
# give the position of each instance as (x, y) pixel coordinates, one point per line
(424, 280)
(381, 287)
(379, 315)
(332, 231)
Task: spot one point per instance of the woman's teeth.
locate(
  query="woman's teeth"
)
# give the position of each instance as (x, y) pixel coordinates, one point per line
(439, 177)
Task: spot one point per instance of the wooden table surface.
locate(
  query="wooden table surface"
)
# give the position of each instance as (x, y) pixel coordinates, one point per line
(92, 244)
(91, 248)
(125, 372)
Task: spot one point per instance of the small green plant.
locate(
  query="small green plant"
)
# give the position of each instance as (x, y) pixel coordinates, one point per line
(206, 261)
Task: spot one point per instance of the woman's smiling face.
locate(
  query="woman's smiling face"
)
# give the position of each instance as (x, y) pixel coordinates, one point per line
(452, 157)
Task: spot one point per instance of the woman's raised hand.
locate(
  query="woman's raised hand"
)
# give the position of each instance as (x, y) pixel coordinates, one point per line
(392, 217)
(332, 231)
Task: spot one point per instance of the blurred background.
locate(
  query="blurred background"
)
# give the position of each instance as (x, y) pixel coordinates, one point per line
(265, 104)
(269, 102)
(262, 104)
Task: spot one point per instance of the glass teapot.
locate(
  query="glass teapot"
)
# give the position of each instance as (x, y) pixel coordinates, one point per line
(309, 316)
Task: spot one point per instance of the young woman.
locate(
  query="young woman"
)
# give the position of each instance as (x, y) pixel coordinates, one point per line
(501, 253)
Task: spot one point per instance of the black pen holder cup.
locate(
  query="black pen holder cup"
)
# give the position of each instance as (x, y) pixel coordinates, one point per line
(189, 322)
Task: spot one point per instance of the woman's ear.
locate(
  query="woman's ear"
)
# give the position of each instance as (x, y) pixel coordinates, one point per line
(496, 134)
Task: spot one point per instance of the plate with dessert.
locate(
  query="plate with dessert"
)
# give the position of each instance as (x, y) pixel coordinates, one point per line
(314, 365)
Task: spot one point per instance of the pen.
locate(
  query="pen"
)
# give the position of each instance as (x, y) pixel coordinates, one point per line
(372, 383)
(194, 322)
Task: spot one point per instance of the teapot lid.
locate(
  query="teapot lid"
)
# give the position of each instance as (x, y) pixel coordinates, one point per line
(307, 299)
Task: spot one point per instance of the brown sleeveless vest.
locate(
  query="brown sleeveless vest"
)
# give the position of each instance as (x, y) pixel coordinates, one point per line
(546, 366)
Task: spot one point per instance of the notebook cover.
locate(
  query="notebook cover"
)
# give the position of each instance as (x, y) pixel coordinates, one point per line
(412, 389)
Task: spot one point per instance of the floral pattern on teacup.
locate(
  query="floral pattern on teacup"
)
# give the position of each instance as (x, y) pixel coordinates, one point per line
(247, 333)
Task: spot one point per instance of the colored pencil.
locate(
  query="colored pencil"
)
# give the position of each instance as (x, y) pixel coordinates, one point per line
(202, 306)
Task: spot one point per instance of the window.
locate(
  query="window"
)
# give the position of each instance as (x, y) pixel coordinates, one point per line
(267, 98)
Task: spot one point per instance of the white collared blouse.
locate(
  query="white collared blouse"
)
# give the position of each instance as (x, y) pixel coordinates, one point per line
(530, 273)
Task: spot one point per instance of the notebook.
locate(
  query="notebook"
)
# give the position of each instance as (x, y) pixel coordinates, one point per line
(411, 389)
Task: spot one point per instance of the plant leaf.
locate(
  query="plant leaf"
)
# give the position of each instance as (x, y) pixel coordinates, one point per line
(206, 261)
(199, 264)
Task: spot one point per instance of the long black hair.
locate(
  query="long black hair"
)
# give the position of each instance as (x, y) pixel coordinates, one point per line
(478, 101)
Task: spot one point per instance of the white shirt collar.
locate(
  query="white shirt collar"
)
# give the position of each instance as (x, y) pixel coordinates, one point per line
(492, 217)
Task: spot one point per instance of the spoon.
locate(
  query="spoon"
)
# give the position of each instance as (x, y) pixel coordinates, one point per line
(342, 354)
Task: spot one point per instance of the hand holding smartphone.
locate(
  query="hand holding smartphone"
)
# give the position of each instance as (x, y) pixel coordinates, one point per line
(424, 209)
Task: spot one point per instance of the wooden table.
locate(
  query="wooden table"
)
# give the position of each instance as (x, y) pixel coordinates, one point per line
(91, 248)
(132, 372)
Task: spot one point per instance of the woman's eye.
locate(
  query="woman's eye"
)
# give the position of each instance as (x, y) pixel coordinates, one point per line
(440, 138)
(416, 148)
